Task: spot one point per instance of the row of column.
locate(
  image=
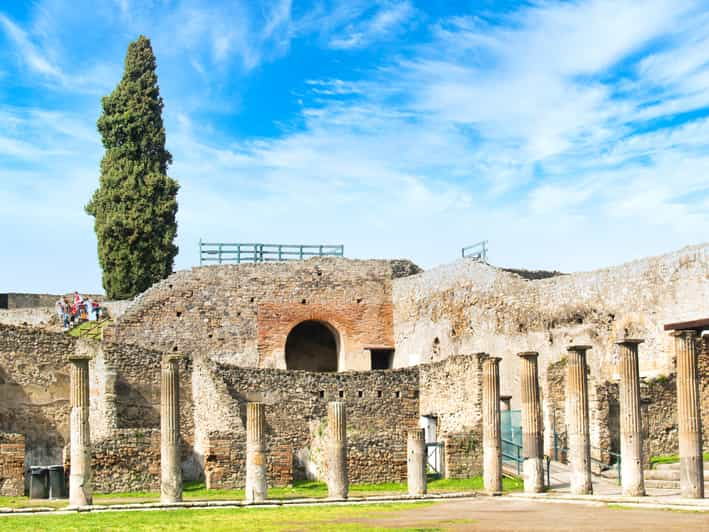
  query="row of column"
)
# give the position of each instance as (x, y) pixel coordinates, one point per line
(80, 493)
(577, 415)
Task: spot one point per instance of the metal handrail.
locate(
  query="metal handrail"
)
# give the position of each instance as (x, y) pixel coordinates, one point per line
(519, 459)
(480, 252)
(238, 252)
(596, 460)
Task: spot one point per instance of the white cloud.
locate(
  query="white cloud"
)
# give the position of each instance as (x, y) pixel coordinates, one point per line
(387, 21)
(550, 131)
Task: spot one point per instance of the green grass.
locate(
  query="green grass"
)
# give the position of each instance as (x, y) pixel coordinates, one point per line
(670, 459)
(340, 518)
(195, 491)
(315, 489)
(89, 329)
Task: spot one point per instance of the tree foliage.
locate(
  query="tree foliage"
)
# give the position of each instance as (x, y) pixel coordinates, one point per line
(136, 202)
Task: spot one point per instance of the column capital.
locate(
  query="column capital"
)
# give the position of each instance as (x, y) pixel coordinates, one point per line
(684, 332)
(492, 360)
(629, 341)
(78, 357)
(172, 357)
(528, 354)
(578, 348)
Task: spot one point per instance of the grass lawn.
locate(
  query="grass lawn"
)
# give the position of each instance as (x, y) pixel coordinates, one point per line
(194, 491)
(89, 329)
(670, 459)
(340, 518)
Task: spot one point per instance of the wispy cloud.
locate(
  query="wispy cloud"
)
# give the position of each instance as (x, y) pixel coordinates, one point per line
(386, 22)
(550, 127)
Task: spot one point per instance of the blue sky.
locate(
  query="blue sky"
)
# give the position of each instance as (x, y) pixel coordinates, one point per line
(571, 135)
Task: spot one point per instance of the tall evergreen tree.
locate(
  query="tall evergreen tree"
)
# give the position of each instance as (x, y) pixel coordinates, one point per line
(136, 202)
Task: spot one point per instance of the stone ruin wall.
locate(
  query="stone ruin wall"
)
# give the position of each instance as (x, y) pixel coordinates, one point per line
(468, 307)
(242, 314)
(34, 383)
(381, 407)
(125, 402)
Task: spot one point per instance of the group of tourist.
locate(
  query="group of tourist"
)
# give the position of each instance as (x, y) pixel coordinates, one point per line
(78, 311)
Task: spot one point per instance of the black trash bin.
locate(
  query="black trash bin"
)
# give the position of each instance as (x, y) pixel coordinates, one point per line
(39, 488)
(57, 482)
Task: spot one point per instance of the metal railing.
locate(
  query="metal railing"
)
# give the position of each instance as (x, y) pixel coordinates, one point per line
(558, 449)
(512, 452)
(433, 458)
(221, 252)
(477, 251)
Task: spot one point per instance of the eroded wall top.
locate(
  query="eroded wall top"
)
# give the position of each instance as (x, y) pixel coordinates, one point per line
(467, 306)
(242, 314)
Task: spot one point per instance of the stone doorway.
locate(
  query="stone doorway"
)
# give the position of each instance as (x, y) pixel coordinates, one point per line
(312, 346)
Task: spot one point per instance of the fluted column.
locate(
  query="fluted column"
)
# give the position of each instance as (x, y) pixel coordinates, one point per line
(256, 485)
(492, 437)
(337, 482)
(170, 463)
(631, 440)
(416, 462)
(531, 424)
(577, 419)
(80, 492)
(691, 463)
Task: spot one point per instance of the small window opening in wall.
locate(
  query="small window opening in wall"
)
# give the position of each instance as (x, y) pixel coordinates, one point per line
(210, 335)
(303, 301)
(342, 393)
(360, 393)
(169, 286)
(174, 348)
(379, 393)
(397, 394)
(322, 394)
(179, 313)
(436, 346)
(252, 300)
(359, 300)
(382, 358)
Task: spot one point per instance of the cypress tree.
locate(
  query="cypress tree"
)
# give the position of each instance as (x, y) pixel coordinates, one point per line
(136, 202)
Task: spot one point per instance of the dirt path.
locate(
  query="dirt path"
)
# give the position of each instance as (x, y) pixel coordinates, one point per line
(498, 514)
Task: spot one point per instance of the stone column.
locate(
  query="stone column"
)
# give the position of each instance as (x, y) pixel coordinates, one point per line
(577, 419)
(416, 462)
(170, 462)
(492, 437)
(691, 463)
(531, 424)
(631, 440)
(256, 485)
(337, 482)
(80, 493)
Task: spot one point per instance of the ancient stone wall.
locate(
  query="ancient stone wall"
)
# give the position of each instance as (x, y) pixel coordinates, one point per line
(381, 407)
(12, 464)
(34, 383)
(468, 306)
(463, 454)
(242, 314)
(126, 460)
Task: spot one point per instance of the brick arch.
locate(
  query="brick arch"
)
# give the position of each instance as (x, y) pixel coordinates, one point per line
(277, 321)
(313, 345)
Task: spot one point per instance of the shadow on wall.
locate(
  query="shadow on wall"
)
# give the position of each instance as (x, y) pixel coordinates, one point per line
(40, 413)
(138, 406)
